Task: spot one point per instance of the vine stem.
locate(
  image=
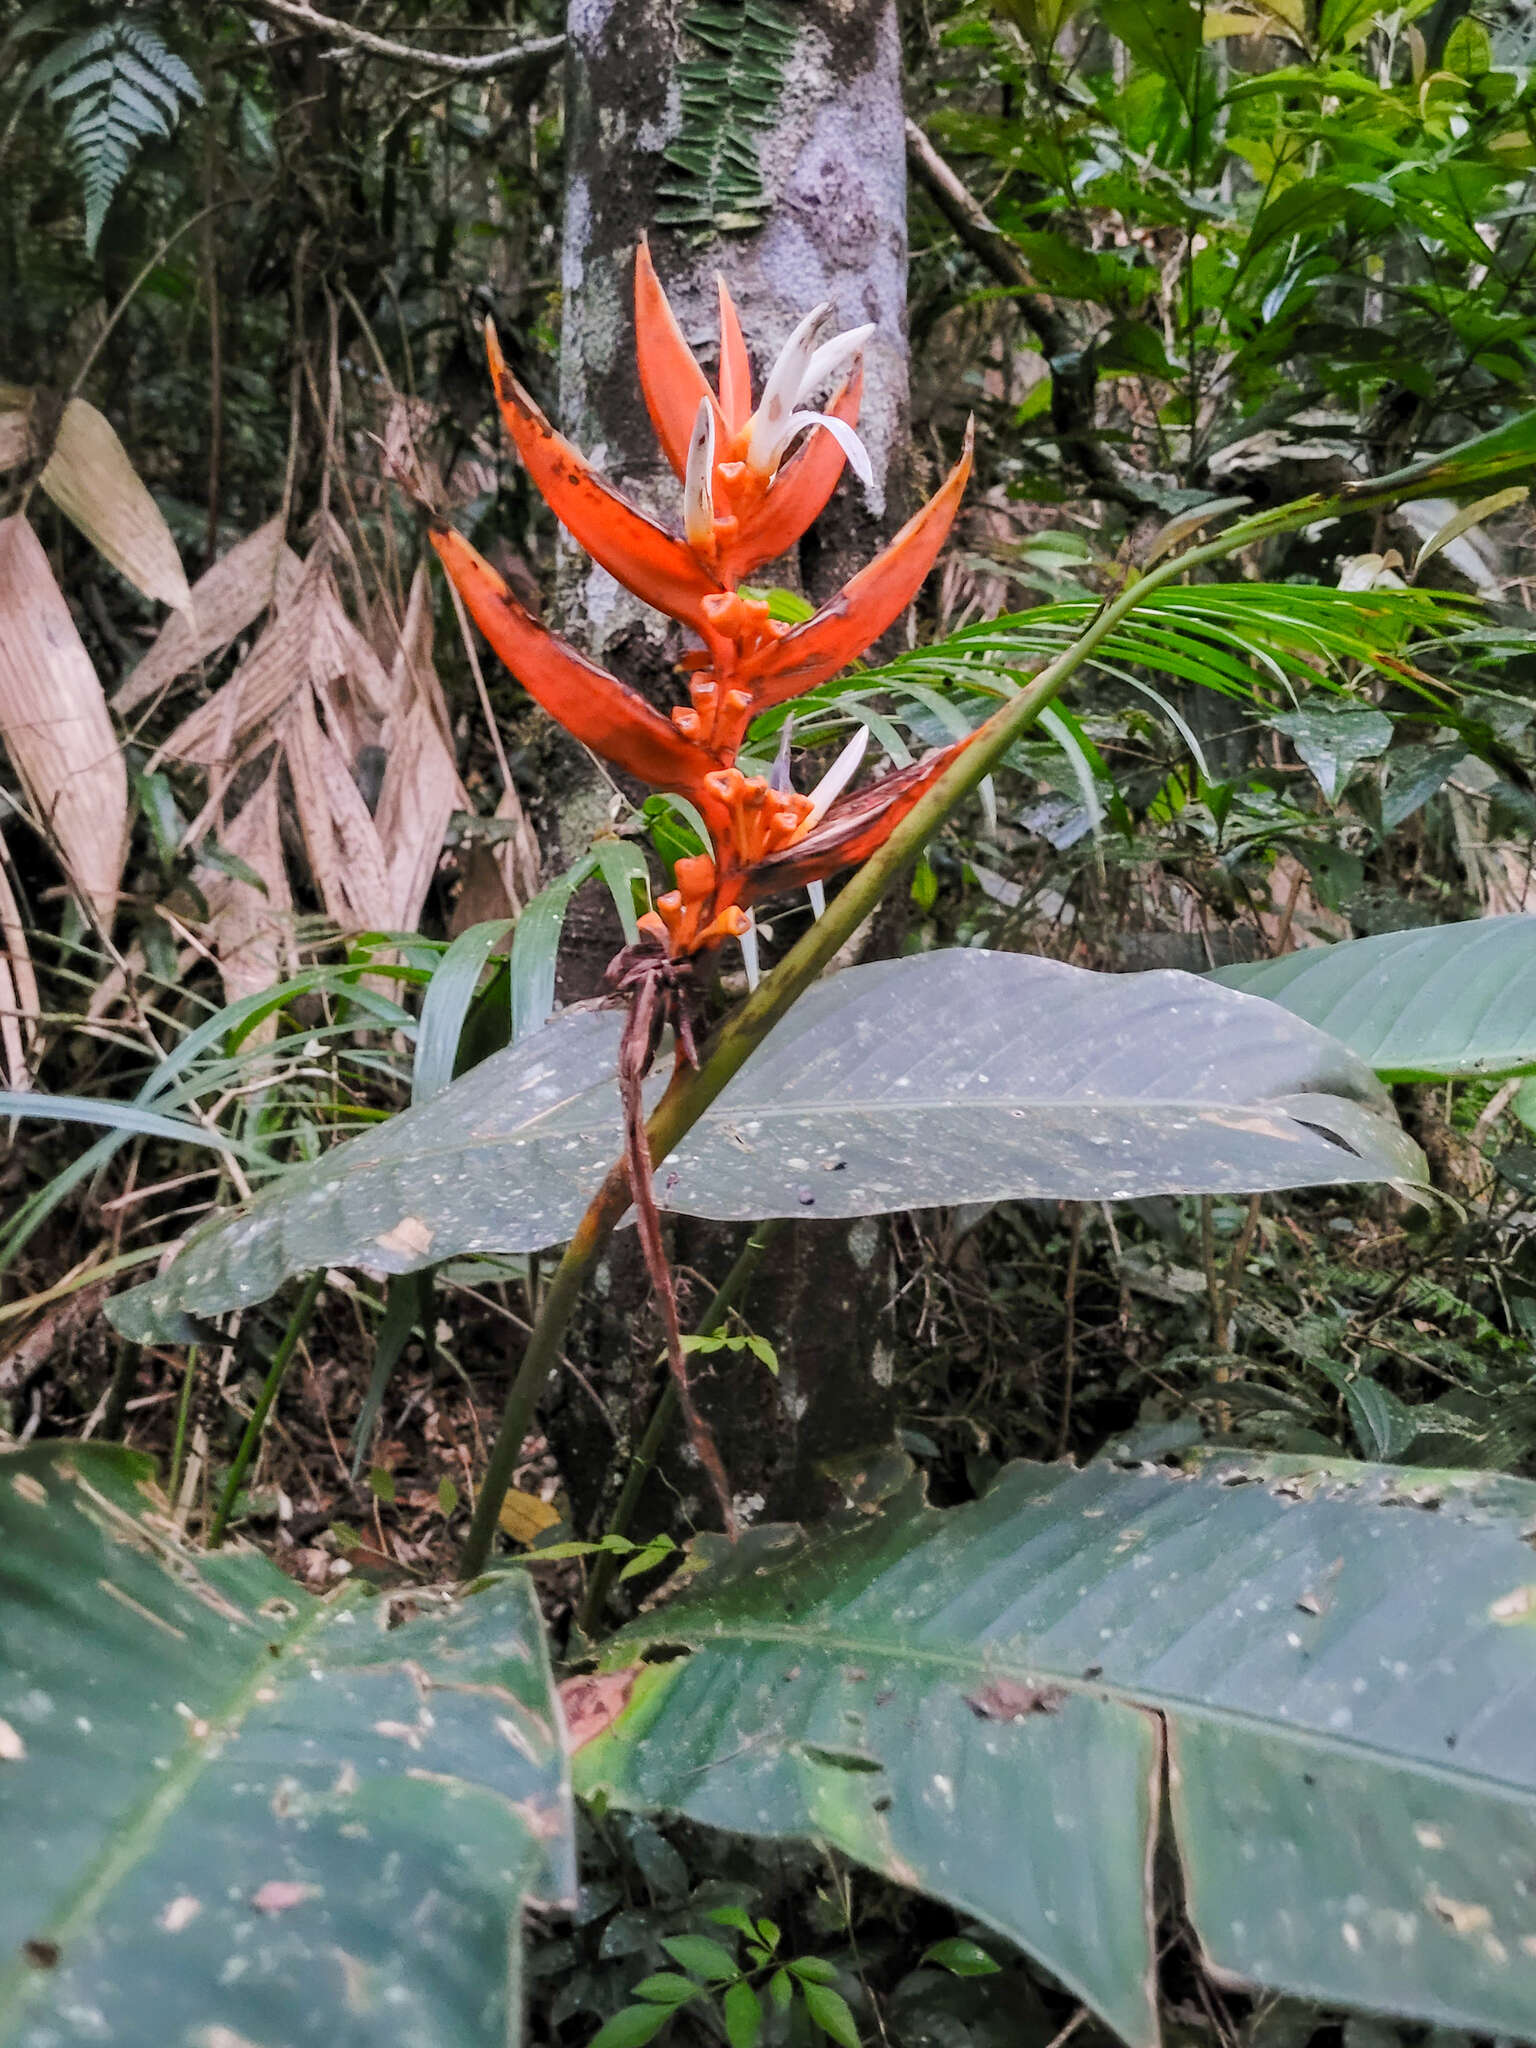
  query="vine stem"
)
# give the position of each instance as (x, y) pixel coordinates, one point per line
(725, 1298)
(303, 1309)
(692, 1090)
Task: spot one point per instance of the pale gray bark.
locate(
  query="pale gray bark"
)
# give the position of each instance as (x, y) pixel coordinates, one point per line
(834, 166)
(834, 172)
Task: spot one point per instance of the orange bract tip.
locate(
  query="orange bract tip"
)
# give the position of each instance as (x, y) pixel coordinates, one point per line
(670, 376)
(662, 570)
(865, 606)
(735, 371)
(595, 707)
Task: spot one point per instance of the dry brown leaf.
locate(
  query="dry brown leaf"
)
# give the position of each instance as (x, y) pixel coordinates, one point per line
(259, 692)
(54, 720)
(420, 793)
(310, 643)
(15, 436)
(524, 1515)
(345, 857)
(421, 789)
(19, 1002)
(251, 932)
(91, 480)
(258, 572)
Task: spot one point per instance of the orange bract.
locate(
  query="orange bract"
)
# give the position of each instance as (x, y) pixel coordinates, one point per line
(748, 495)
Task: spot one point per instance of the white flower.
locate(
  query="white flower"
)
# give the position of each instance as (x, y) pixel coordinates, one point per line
(801, 369)
(698, 480)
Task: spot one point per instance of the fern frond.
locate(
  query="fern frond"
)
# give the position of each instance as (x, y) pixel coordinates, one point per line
(118, 86)
(714, 181)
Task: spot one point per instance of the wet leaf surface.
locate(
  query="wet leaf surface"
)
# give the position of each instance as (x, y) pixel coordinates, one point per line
(973, 1702)
(1425, 1004)
(950, 1077)
(248, 1814)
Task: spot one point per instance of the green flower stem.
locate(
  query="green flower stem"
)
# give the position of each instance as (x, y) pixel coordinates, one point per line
(726, 1296)
(692, 1090)
(302, 1310)
(179, 1441)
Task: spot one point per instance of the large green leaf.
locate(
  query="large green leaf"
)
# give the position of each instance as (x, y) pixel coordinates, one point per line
(950, 1077)
(1340, 1660)
(247, 1815)
(1416, 1005)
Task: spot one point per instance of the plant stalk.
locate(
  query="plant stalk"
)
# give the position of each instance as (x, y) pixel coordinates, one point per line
(303, 1309)
(179, 1442)
(692, 1090)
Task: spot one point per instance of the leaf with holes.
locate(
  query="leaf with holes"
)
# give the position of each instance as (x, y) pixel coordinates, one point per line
(1416, 1005)
(979, 1702)
(948, 1077)
(250, 1814)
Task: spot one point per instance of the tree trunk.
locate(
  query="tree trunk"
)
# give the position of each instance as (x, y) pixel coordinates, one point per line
(833, 227)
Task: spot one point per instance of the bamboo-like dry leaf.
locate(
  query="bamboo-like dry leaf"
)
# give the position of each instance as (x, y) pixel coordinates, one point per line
(19, 1003)
(92, 481)
(251, 931)
(310, 644)
(421, 792)
(345, 857)
(258, 572)
(261, 689)
(421, 789)
(54, 720)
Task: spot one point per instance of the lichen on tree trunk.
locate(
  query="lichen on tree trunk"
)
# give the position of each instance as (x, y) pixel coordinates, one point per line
(833, 169)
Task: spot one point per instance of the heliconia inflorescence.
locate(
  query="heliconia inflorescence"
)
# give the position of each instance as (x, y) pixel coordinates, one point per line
(753, 481)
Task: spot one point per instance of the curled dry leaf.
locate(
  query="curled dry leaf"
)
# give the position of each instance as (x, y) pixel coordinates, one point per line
(93, 483)
(258, 572)
(55, 723)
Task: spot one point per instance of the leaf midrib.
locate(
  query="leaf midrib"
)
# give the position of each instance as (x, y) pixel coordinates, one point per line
(774, 1112)
(808, 1638)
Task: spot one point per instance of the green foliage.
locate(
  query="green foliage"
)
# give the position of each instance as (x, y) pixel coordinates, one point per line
(976, 1701)
(118, 86)
(1302, 226)
(1458, 999)
(898, 1084)
(714, 180)
(209, 1763)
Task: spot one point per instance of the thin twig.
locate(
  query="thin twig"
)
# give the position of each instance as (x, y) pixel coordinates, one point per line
(537, 53)
(481, 691)
(635, 1054)
(183, 1409)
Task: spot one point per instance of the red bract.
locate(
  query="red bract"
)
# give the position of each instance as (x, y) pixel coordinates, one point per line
(753, 481)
